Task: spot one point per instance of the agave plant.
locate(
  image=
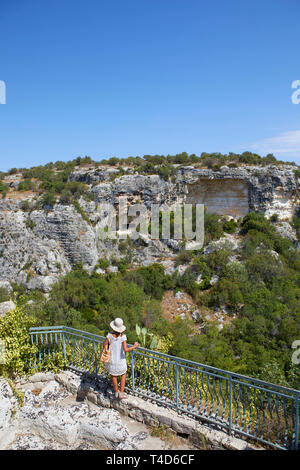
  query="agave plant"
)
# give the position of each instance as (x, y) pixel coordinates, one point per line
(142, 334)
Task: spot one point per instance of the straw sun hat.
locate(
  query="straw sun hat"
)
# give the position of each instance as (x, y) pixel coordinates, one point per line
(118, 325)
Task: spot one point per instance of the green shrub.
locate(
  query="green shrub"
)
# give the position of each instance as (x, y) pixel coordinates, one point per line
(166, 171)
(14, 331)
(227, 293)
(102, 263)
(48, 199)
(264, 266)
(256, 221)
(30, 223)
(183, 257)
(152, 279)
(3, 189)
(97, 300)
(13, 171)
(65, 197)
(296, 223)
(274, 218)
(256, 240)
(213, 229)
(297, 173)
(155, 159)
(26, 185)
(113, 161)
(200, 265)
(230, 226)
(4, 294)
(25, 206)
(81, 211)
(217, 261)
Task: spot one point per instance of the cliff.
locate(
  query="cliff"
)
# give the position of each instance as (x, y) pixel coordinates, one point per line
(39, 244)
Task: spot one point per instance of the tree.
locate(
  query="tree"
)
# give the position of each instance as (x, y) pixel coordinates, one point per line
(14, 332)
(49, 199)
(3, 189)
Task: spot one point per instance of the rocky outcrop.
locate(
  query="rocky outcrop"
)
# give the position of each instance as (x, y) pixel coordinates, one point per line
(7, 405)
(37, 254)
(37, 246)
(151, 414)
(270, 189)
(285, 230)
(69, 411)
(50, 419)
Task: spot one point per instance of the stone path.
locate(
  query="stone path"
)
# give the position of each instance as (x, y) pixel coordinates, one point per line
(134, 427)
(54, 418)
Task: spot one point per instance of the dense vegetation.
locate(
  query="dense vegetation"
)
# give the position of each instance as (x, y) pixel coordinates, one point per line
(14, 333)
(259, 287)
(17, 351)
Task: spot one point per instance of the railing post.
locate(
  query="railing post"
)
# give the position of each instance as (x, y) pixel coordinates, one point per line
(177, 385)
(95, 356)
(64, 343)
(230, 405)
(297, 423)
(132, 370)
(30, 361)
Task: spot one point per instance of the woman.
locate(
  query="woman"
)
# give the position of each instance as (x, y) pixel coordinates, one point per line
(117, 365)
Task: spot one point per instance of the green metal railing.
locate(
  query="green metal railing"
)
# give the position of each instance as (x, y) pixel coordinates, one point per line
(234, 403)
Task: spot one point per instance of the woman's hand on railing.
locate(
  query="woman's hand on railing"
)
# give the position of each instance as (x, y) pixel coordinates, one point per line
(127, 349)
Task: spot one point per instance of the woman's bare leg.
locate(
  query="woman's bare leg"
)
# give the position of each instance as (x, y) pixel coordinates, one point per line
(114, 379)
(122, 384)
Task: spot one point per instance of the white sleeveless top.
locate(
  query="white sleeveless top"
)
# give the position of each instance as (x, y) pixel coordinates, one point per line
(117, 364)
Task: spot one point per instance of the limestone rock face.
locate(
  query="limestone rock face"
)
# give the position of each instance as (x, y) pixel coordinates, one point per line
(285, 229)
(235, 191)
(226, 242)
(40, 245)
(7, 404)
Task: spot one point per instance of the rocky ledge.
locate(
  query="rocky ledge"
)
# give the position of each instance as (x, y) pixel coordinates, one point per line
(51, 419)
(69, 411)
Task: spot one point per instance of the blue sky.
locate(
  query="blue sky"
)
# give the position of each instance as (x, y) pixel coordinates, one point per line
(135, 77)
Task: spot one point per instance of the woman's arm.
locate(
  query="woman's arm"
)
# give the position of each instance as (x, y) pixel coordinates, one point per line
(127, 349)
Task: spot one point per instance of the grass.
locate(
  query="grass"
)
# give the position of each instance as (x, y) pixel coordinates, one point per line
(80, 210)
(163, 433)
(17, 393)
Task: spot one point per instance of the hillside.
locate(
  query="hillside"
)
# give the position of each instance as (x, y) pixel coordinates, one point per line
(240, 307)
